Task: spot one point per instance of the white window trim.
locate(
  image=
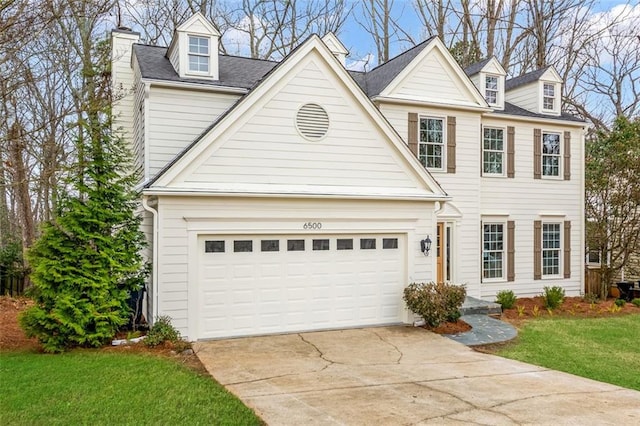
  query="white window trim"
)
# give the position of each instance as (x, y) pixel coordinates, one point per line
(498, 101)
(494, 221)
(560, 274)
(189, 71)
(560, 156)
(504, 152)
(444, 141)
(556, 98)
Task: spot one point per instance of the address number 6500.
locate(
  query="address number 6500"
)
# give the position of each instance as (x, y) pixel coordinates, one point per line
(312, 225)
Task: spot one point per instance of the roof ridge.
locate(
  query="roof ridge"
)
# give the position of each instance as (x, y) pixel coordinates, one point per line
(401, 54)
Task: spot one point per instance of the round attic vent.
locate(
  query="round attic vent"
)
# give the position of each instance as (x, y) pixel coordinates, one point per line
(312, 121)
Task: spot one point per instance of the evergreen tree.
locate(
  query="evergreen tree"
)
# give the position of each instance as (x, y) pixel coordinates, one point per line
(87, 261)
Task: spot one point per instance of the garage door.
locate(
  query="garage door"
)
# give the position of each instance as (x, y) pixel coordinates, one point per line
(251, 285)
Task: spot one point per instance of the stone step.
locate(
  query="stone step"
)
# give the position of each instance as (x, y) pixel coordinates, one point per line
(473, 306)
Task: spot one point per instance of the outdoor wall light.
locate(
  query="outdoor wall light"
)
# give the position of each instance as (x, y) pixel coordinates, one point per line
(425, 246)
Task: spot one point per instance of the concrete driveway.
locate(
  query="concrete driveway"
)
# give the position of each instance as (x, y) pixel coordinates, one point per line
(400, 376)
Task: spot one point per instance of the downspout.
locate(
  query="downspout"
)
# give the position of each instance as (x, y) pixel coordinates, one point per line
(154, 255)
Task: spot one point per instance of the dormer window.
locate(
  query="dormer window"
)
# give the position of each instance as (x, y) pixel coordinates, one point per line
(491, 89)
(549, 97)
(199, 54)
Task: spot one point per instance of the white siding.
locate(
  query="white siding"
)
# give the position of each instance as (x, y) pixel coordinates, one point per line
(525, 97)
(137, 140)
(266, 148)
(147, 254)
(463, 186)
(434, 80)
(182, 219)
(123, 85)
(177, 117)
(525, 200)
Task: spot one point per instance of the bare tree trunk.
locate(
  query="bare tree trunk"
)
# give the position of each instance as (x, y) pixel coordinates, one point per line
(17, 146)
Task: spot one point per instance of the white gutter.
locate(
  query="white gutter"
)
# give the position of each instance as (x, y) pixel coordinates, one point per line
(196, 86)
(209, 193)
(551, 120)
(417, 102)
(154, 256)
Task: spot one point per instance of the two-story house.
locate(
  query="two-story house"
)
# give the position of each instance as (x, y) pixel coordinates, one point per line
(291, 196)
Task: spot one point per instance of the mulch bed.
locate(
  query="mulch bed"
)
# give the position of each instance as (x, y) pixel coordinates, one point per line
(12, 337)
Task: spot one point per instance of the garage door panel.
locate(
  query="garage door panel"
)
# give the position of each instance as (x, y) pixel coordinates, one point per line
(262, 292)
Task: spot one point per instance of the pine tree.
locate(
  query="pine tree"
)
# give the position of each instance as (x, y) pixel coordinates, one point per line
(87, 261)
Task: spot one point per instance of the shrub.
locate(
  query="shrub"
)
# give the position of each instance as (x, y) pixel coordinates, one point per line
(162, 332)
(636, 302)
(591, 298)
(553, 297)
(620, 302)
(506, 298)
(435, 303)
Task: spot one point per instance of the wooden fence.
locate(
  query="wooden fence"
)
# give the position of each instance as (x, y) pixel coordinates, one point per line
(11, 283)
(592, 281)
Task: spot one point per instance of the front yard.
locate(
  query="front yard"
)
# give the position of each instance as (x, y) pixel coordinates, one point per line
(101, 387)
(606, 349)
(123, 385)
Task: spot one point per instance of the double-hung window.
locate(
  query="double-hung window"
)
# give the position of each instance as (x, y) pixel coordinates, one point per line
(431, 145)
(549, 96)
(493, 151)
(199, 54)
(551, 249)
(550, 154)
(491, 89)
(493, 250)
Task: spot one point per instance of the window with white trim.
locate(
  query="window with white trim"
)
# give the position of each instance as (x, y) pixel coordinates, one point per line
(493, 251)
(551, 249)
(431, 143)
(493, 151)
(551, 154)
(199, 54)
(549, 96)
(491, 89)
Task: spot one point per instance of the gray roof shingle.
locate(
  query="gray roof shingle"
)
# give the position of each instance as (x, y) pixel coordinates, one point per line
(234, 71)
(527, 78)
(511, 109)
(474, 69)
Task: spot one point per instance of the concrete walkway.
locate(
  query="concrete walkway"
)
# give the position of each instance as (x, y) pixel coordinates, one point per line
(403, 376)
(484, 330)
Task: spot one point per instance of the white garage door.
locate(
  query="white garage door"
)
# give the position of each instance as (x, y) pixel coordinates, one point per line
(250, 285)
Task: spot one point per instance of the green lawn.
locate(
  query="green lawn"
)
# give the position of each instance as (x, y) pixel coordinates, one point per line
(603, 349)
(98, 388)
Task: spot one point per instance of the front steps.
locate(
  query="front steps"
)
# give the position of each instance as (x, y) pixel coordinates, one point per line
(473, 306)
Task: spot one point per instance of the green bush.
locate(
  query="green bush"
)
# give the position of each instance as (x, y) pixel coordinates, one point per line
(162, 332)
(506, 299)
(591, 298)
(620, 302)
(636, 302)
(435, 303)
(553, 297)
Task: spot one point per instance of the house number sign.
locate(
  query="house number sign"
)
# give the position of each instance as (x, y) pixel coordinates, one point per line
(312, 225)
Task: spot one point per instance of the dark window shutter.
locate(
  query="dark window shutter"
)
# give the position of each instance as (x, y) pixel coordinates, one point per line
(413, 133)
(511, 250)
(567, 249)
(511, 151)
(451, 144)
(537, 154)
(537, 250)
(481, 251)
(567, 155)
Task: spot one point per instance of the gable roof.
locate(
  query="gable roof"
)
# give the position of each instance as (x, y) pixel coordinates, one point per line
(380, 77)
(263, 87)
